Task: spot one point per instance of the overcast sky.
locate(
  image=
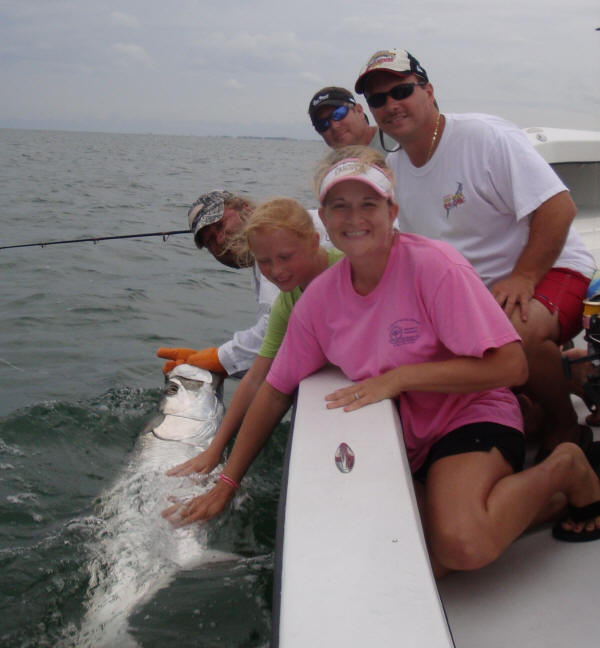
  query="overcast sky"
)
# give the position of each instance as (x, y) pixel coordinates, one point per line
(249, 67)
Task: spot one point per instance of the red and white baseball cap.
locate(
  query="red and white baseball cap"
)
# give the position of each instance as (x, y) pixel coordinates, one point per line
(396, 61)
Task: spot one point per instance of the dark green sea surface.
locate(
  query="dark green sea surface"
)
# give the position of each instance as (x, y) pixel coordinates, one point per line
(56, 459)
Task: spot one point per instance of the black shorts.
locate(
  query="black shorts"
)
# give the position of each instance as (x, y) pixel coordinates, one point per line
(477, 437)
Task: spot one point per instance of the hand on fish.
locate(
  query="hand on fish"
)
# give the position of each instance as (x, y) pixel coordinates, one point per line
(202, 463)
(371, 390)
(201, 508)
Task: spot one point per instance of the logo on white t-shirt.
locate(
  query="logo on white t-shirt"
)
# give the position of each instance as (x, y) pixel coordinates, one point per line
(454, 200)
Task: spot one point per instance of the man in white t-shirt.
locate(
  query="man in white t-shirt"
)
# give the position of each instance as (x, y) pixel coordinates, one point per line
(215, 219)
(475, 181)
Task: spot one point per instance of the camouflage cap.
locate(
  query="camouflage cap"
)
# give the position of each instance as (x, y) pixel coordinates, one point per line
(206, 210)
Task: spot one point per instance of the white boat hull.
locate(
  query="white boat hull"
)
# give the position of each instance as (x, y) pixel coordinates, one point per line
(353, 567)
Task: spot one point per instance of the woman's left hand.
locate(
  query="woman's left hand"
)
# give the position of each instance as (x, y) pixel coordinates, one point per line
(371, 390)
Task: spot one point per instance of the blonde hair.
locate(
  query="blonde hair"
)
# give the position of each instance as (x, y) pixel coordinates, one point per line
(275, 214)
(243, 206)
(366, 156)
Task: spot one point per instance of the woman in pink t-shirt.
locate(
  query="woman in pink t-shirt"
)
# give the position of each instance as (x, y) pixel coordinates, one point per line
(387, 315)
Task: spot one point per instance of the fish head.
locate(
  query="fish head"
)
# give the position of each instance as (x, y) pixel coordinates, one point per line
(191, 405)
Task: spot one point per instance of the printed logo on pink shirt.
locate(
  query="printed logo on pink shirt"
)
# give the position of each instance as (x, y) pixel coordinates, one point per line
(404, 331)
(454, 200)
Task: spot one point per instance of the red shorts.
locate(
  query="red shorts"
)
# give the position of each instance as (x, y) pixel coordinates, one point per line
(562, 291)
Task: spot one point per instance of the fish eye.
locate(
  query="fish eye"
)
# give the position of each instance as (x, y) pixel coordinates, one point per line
(171, 389)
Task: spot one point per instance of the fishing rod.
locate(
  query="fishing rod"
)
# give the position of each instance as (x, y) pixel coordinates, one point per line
(95, 239)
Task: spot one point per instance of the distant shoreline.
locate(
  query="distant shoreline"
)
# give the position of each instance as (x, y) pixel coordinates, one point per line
(102, 132)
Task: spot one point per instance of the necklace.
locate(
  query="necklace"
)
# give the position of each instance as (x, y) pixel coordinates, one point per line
(435, 132)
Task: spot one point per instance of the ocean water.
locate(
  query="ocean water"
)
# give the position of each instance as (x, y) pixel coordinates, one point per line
(79, 380)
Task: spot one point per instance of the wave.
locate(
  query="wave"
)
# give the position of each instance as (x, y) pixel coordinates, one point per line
(56, 458)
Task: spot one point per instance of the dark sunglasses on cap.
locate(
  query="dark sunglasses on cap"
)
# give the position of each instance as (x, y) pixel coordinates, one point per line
(337, 114)
(398, 92)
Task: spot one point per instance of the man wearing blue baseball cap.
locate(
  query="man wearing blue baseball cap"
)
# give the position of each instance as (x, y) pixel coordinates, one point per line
(341, 121)
(475, 181)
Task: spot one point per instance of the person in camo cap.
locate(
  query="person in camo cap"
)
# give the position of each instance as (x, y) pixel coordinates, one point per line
(216, 218)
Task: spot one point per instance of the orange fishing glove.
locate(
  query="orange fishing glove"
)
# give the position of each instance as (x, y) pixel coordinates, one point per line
(175, 355)
(207, 359)
(203, 358)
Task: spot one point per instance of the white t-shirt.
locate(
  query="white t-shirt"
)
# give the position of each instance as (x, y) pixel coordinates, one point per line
(478, 191)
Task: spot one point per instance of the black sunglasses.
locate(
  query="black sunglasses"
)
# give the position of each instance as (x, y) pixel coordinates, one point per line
(321, 125)
(398, 92)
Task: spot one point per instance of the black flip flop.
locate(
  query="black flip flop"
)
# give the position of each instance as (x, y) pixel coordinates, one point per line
(578, 514)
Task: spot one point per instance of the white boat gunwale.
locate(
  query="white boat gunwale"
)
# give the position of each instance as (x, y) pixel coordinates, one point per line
(368, 516)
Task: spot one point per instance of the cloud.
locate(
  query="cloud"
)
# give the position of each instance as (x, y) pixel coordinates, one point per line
(311, 77)
(259, 52)
(253, 65)
(132, 52)
(124, 20)
(368, 24)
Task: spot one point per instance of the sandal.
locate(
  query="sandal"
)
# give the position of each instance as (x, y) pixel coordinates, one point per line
(578, 514)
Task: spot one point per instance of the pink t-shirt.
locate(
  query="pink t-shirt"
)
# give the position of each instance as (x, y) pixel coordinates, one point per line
(430, 305)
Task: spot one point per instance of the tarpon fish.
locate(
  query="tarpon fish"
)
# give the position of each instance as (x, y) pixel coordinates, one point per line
(137, 552)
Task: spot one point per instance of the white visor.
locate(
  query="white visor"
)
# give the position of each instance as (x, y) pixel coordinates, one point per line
(354, 169)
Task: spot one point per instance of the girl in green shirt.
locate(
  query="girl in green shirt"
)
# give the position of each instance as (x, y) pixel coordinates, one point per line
(281, 236)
